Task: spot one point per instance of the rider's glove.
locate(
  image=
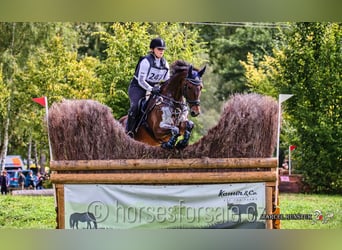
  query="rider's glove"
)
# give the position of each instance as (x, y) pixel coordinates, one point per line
(155, 90)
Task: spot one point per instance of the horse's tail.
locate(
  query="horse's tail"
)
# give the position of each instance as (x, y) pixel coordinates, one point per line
(71, 221)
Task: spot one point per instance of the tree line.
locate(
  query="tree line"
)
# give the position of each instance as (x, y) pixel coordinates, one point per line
(97, 60)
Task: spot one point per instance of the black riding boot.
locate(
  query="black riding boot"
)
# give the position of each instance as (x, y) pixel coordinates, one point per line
(131, 124)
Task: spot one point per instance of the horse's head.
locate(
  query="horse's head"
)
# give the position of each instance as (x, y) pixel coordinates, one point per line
(192, 89)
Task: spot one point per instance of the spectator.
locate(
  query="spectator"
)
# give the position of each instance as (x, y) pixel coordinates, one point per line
(284, 170)
(40, 179)
(21, 179)
(285, 165)
(31, 181)
(4, 182)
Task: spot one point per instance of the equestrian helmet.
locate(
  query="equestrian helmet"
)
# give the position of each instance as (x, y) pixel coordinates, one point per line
(157, 43)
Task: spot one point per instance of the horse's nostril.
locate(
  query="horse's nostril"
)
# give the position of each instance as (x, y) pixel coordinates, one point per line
(193, 113)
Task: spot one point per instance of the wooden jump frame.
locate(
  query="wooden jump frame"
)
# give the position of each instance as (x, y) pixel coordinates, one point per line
(167, 171)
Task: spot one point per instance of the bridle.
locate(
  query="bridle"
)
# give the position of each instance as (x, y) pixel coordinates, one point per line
(196, 82)
(190, 79)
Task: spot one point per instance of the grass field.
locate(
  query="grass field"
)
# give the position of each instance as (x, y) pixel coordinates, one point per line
(27, 212)
(38, 212)
(308, 204)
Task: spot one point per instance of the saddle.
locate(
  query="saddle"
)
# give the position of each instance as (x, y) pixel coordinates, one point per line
(143, 111)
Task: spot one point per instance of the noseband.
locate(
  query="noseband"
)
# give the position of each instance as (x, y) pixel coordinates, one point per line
(194, 82)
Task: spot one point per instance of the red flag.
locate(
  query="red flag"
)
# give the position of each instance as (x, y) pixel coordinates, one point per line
(292, 147)
(40, 100)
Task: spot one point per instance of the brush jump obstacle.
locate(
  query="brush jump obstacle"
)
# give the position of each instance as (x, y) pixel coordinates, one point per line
(227, 179)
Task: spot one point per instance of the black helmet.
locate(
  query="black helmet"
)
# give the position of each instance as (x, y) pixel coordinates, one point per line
(157, 43)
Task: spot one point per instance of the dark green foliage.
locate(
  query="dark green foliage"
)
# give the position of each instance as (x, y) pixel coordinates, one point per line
(233, 45)
(312, 72)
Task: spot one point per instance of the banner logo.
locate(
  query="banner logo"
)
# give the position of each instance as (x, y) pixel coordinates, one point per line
(246, 193)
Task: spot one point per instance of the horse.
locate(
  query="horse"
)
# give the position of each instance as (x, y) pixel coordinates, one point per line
(82, 217)
(165, 116)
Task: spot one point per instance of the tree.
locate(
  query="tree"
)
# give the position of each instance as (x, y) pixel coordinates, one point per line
(39, 59)
(57, 73)
(16, 44)
(309, 66)
(90, 44)
(260, 79)
(313, 63)
(227, 50)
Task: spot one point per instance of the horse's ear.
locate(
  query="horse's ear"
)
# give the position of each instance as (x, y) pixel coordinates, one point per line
(201, 72)
(190, 72)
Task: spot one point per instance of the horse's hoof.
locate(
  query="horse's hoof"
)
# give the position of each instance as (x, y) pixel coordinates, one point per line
(181, 145)
(166, 145)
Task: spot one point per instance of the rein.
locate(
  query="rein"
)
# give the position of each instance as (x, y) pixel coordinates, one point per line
(171, 100)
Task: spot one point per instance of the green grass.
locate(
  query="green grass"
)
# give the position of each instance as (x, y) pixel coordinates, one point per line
(38, 212)
(308, 204)
(27, 212)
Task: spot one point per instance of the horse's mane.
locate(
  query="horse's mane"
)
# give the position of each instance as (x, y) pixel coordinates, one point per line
(179, 66)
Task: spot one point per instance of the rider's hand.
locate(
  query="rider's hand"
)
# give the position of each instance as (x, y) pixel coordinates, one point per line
(155, 90)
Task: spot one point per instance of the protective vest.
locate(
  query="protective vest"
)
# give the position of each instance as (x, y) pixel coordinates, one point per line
(155, 74)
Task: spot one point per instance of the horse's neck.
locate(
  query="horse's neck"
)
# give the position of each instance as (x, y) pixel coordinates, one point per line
(174, 88)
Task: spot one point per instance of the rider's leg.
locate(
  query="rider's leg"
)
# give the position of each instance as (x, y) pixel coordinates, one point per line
(131, 122)
(135, 93)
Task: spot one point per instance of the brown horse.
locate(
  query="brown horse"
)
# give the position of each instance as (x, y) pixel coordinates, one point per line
(165, 117)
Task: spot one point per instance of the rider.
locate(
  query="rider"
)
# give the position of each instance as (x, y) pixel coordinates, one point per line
(150, 70)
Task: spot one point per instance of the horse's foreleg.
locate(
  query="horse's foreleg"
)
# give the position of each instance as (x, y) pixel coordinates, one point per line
(186, 137)
(172, 141)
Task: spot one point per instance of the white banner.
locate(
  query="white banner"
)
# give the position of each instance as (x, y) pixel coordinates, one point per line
(164, 206)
